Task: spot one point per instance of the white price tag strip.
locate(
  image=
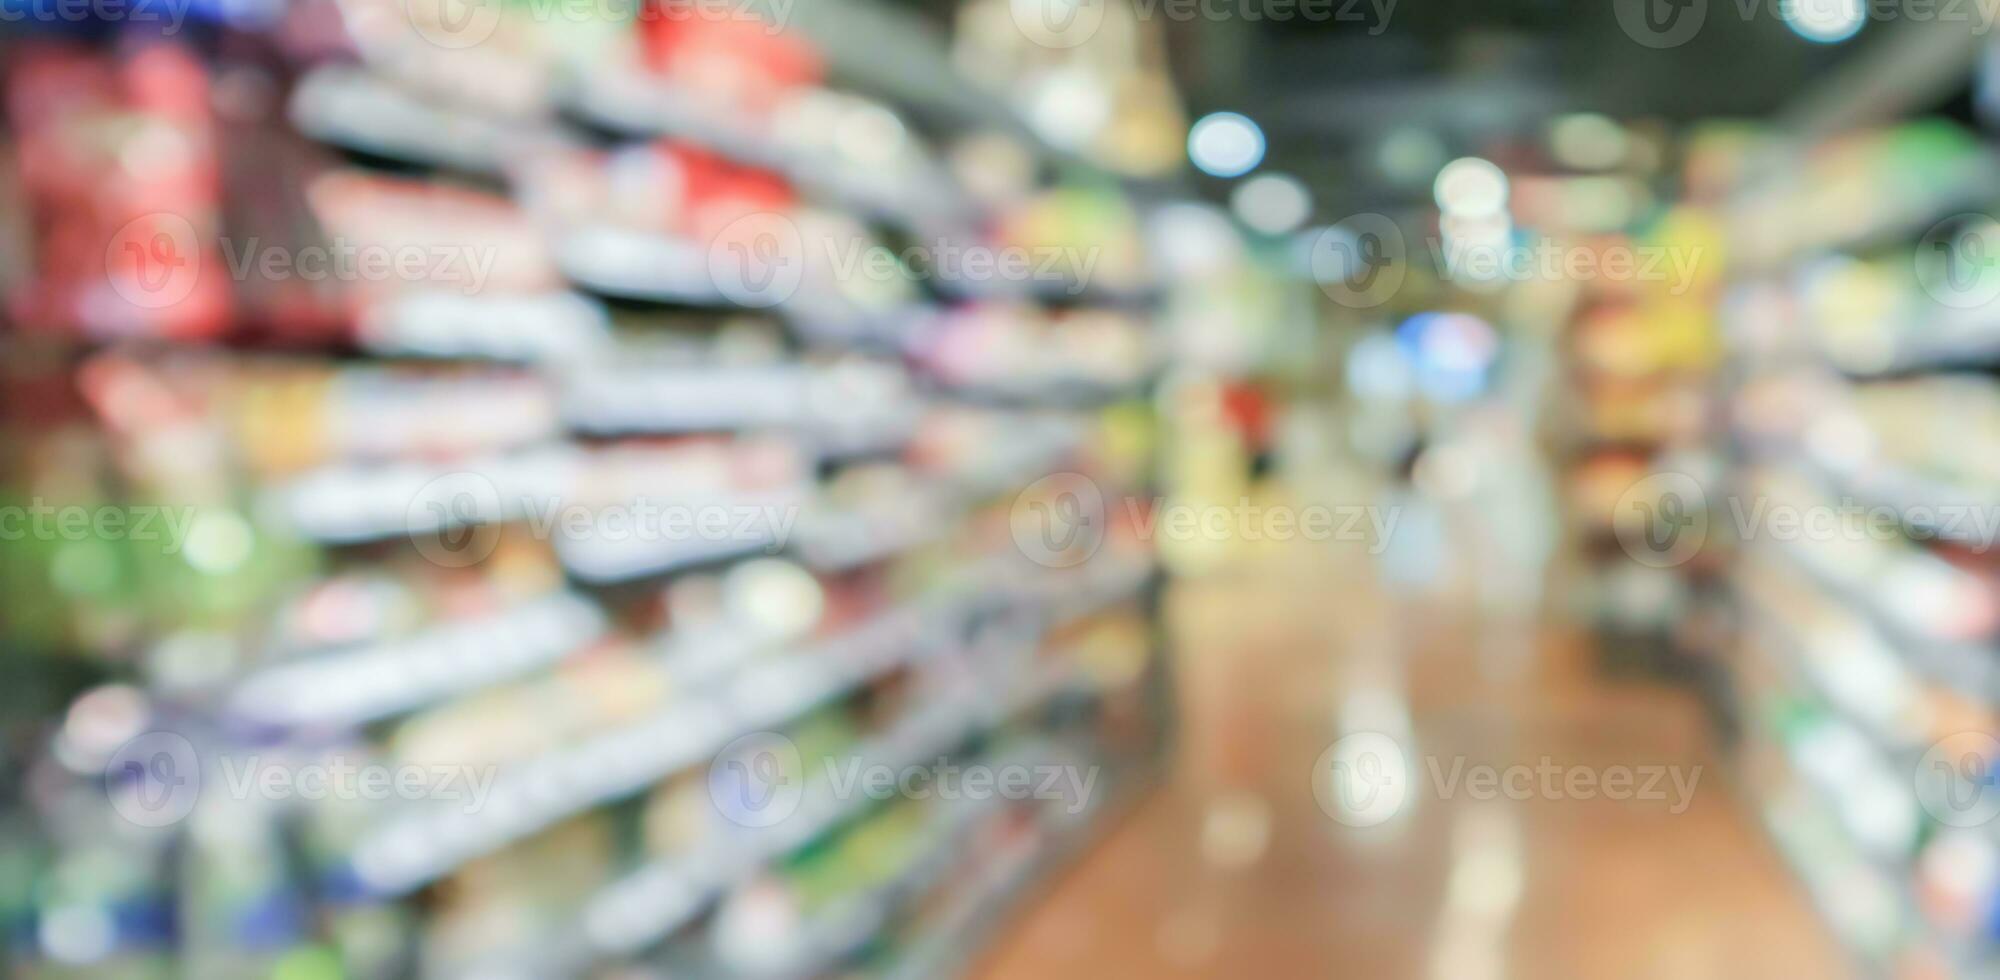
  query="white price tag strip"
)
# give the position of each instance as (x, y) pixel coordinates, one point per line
(356, 686)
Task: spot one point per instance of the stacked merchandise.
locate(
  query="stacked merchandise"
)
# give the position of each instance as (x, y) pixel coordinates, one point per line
(1093, 82)
(1863, 418)
(562, 471)
(1639, 351)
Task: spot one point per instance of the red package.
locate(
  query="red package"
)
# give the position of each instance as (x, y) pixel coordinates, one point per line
(740, 61)
(118, 166)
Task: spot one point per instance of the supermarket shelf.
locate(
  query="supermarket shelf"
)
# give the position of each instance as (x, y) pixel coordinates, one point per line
(836, 540)
(529, 796)
(1807, 799)
(353, 687)
(1861, 695)
(1971, 670)
(835, 936)
(843, 443)
(535, 329)
(1050, 292)
(611, 399)
(648, 267)
(352, 107)
(724, 681)
(1974, 186)
(655, 901)
(1852, 660)
(1076, 391)
(630, 102)
(1910, 495)
(874, 47)
(1006, 467)
(1079, 592)
(760, 696)
(609, 553)
(625, 100)
(350, 503)
(837, 323)
(358, 503)
(1801, 806)
(639, 265)
(1948, 340)
(1794, 815)
(961, 927)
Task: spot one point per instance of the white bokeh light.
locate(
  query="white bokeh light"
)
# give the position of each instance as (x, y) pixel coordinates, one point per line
(1226, 144)
(1272, 203)
(1471, 188)
(1824, 21)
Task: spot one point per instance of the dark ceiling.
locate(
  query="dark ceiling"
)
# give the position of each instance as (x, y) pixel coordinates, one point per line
(1475, 75)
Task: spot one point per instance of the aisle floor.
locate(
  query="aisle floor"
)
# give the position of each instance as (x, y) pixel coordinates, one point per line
(1232, 868)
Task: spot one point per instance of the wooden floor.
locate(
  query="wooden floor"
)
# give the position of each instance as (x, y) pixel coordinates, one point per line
(1233, 869)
